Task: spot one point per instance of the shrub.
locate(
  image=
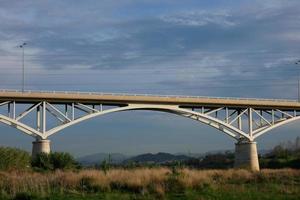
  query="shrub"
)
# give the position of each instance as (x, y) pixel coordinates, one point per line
(12, 158)
(53, 161)
(42, 161)
(61, 160)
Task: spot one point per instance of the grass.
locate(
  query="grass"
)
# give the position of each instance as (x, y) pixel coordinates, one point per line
(154, 183)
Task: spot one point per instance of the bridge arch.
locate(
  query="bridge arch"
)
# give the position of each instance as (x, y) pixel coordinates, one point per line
(205, 119)
(282, 123)
(220, 124)
(20, 126)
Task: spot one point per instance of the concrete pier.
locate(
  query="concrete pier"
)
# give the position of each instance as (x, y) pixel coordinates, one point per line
(40, 146)
(246, 156)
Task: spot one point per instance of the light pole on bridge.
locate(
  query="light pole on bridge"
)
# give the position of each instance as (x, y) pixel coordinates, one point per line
(22, 46)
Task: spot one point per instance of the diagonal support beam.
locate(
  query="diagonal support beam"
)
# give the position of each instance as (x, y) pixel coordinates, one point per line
(273, 114)
(26, 112)
(88, 108)
(261, 117)
(228, 117)
(55, 115)
(237, 117)
(215, 125)
(212, 111)
(285, 113)
(59, 112)
(4, 103)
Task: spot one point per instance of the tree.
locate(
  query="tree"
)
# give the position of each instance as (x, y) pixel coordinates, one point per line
(42, 161)
(61, 160)
(53, 161)
(12, 158)
(105, 164)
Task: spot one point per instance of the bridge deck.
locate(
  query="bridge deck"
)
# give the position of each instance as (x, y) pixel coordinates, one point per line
(119, 99)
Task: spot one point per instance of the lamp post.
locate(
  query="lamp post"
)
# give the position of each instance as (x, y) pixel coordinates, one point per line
(298, 63)
(22, 46)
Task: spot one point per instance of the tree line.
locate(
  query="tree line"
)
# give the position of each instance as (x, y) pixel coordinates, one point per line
(16, 159)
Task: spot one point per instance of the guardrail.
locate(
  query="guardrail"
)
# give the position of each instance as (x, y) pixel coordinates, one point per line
(149, 95)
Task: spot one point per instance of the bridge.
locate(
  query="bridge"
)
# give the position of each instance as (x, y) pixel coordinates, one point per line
(243, 119)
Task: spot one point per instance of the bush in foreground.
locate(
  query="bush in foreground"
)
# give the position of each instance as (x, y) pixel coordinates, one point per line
(53, 161)
(12, 158)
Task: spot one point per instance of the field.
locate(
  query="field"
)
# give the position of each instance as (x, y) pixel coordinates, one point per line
(151, 183)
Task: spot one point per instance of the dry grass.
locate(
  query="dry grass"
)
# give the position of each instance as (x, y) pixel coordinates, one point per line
(157, 181)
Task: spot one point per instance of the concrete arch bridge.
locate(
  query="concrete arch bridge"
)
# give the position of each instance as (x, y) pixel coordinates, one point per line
(41, 114)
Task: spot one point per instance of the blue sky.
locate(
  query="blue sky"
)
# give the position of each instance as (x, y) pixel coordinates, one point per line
(209, 48)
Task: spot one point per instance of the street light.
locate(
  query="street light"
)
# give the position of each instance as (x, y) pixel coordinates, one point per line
(22, 46)
(298, 63)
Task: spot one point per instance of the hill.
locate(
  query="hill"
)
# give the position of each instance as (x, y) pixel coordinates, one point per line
(158, 158)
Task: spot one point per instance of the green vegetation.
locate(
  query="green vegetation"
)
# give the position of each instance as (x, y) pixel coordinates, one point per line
(106, 164)
(283, 155)
(54, 161)
(155, 183)
(13, 159)
(212, 161)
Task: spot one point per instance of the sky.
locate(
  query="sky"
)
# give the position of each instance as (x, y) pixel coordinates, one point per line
(241, 48)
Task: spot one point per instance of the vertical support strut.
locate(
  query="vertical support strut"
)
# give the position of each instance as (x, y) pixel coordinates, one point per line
(273, 117)
(11, 109)
(66, 110)
(261, 120)
(14, 110)
(38, 118)
(44, 117)
(250, 122)
(240, 125)
(227, 116)
(73, 111)
(8, 110)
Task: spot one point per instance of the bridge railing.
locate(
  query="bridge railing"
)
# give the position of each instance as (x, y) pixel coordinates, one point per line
(150, 95)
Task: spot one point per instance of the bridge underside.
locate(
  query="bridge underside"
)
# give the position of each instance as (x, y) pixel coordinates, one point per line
(41, 119)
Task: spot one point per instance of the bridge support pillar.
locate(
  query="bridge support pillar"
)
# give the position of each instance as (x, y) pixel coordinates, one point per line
(40, 146)
(246, 156)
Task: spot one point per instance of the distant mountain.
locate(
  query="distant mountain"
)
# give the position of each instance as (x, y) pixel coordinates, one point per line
(156, 158)
(97, 158)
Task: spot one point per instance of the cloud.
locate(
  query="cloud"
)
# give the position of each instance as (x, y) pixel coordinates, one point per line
(201, 18)
(290, 36)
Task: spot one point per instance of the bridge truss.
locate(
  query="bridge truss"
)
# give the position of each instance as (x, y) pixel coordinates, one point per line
(43, 119)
